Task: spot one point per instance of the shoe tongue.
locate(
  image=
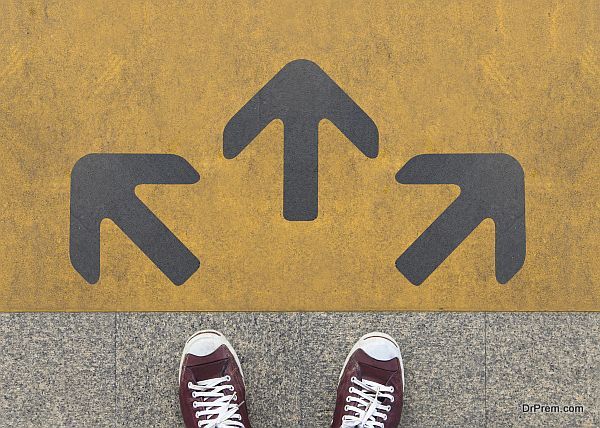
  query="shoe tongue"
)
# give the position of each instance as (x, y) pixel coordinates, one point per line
(212, 370)
(204, 371)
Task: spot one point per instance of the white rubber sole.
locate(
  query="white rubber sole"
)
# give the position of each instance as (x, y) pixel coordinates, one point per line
(189, 342)
(367, 336)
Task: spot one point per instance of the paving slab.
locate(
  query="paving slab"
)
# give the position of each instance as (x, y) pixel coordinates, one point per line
(547, 359)
(57, 370)
(443, 357)
(149, 348)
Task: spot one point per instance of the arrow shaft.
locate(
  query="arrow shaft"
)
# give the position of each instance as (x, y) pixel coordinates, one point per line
(156, 241)
(301, 170)
(440, 239)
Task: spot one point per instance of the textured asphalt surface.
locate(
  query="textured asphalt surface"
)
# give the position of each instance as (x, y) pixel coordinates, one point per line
(462, 369)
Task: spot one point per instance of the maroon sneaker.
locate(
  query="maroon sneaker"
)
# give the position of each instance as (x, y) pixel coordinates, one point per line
(211, 383)
(371, 387)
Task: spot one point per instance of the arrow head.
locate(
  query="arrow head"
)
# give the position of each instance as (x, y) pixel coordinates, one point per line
(300, 92)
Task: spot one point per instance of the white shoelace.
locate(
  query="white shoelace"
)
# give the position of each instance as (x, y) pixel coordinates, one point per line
(222, 410)
(368, 412)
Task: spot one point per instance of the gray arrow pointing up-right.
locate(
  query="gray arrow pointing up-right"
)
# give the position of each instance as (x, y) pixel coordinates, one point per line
(492, 186)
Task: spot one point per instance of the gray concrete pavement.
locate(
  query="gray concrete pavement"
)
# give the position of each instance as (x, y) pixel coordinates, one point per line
(546, 359)
(462, 369)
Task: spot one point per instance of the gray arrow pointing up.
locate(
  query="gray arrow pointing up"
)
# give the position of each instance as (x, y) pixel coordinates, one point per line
(301, 94)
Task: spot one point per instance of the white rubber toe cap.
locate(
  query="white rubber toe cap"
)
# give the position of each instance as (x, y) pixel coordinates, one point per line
(379, 346)
(205, 343)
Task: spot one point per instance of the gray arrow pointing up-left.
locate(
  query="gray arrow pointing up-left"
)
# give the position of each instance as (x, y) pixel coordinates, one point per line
(103, 186)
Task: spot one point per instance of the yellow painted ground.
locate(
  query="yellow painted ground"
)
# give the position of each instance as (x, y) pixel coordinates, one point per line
(517, 77)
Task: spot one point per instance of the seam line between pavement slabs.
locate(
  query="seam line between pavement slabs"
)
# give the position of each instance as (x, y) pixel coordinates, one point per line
(301, 325)
(485, 326)
(116, 390)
